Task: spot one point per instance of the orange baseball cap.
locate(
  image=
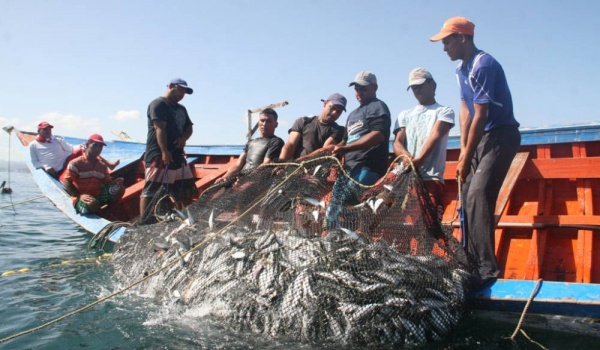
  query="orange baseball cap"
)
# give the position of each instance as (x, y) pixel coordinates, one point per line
(455, 25)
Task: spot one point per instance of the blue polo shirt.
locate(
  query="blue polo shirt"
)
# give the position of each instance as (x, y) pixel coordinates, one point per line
(482, 81)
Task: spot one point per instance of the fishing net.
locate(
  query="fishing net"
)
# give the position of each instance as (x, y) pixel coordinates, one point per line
(301, 251)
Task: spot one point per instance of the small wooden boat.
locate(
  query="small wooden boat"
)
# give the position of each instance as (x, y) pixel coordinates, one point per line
(548, 213)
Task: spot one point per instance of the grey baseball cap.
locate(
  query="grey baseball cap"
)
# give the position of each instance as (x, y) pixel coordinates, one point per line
(364, 78)
(418, 76)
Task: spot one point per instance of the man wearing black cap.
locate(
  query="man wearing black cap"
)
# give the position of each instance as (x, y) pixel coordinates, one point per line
(88, 181)
(169, 127)
(310, 135)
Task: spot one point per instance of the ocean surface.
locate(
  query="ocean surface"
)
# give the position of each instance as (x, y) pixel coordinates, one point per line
(64, 276)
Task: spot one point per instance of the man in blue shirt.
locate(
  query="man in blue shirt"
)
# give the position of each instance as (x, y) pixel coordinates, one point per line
(489, 139)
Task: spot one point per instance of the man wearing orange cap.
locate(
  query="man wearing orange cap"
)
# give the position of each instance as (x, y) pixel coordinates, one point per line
(489, 139)
(88, 181)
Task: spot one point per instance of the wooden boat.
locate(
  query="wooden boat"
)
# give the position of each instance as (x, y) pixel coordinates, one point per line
(548, 213)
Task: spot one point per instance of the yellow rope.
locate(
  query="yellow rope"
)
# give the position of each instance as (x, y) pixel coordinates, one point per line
(25, 201)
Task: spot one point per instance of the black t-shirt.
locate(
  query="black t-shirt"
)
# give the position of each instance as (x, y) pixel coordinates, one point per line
(177, 119)
(314, 134)
(258, 149)
(372, 116)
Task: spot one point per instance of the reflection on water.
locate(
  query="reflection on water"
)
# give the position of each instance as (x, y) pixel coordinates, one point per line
(36, 236)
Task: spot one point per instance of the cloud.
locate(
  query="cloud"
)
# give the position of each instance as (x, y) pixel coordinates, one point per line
(126, 115)
(64, 124)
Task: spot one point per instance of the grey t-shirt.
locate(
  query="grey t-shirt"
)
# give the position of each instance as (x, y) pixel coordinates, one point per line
(418, 122)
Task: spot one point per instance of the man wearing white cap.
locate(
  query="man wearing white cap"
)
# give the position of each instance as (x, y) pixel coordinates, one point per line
(310, 135)
(169, 127)
(422, 134)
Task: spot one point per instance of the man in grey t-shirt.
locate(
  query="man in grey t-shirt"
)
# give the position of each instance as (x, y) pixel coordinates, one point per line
(422, 134)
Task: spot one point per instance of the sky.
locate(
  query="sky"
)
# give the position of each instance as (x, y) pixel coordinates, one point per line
(94, 66)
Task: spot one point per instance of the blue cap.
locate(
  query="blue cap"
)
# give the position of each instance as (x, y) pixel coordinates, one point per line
(337, 99)
(183, 84)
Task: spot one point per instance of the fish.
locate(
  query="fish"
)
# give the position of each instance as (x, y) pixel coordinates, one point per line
(314, 202)
(350, 233)
(317, 168)
(374, 204)
(189, 218)
(238, 255)
(211, 222)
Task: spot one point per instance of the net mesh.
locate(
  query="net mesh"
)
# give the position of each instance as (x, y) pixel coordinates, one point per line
(302, 251)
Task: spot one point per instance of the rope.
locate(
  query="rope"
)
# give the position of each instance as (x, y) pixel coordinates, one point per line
(25, 201)
(533, 293)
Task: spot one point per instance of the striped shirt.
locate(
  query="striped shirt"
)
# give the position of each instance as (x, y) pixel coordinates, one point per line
(88, 177)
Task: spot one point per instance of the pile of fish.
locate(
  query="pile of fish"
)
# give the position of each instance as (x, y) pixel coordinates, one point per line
(280, 282)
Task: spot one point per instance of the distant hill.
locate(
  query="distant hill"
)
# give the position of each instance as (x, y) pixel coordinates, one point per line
(19, 167)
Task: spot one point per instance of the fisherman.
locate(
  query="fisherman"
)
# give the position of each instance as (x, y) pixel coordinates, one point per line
(366, 147)
(53, 153)
(169, 128)
(489, 139)
(311, 135)
(259, 151)
(88, 181)
(422, 135)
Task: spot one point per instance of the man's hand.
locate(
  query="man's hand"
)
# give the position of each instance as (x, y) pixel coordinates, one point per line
(463, 167)
(167, 158)
(87, 199)
(338, 150)
(51, 172)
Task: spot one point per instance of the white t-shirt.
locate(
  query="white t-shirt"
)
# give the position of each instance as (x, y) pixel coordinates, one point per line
(50, 155)
(419, 122)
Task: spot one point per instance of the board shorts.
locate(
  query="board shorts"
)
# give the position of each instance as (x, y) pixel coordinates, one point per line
(107, 193)
(178, 181)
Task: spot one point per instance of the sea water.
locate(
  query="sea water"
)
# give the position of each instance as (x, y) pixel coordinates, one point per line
(63, 276)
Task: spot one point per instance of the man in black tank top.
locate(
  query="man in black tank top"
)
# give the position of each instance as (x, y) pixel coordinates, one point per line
(258, 151)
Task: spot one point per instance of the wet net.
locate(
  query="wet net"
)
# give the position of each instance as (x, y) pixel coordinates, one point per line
(301, 251)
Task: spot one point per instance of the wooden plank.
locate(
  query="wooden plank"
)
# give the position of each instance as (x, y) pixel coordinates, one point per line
(509, 183)
(537, 250)
(556, 168)
(544, 221)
